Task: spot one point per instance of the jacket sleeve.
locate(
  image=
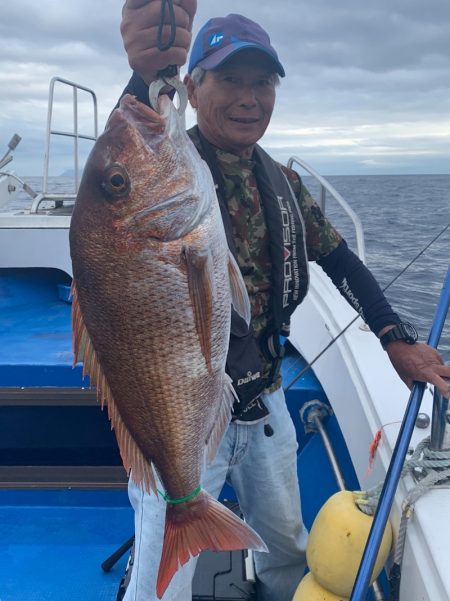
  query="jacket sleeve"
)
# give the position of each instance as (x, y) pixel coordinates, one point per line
(136, 87)
(358, 286)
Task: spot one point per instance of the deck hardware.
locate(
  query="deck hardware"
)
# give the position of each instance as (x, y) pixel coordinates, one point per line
(440, 426)
(312, 410)
(12, 144)
(423, 420)
(312, 415)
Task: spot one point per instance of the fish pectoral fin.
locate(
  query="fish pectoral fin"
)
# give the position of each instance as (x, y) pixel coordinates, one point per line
(239, 295)
(200, 274)
(222, 419)
(132, 457)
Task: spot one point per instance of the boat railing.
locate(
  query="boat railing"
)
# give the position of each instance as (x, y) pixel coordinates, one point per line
(75, 134)
(325, 187)
(440, 425)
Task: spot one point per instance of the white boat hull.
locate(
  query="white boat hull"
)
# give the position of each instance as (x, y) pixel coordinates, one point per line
(31, 241)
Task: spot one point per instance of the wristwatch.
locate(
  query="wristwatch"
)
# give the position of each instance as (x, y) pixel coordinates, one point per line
(402, 331)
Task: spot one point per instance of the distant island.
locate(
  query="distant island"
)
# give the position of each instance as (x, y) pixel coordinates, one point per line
(71, 173)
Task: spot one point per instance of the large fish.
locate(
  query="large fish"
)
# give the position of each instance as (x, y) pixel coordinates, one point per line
(153, 286)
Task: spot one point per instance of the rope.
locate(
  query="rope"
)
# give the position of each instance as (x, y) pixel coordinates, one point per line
(173, 26)
(424, 458)
(430, 481)
(188, 497)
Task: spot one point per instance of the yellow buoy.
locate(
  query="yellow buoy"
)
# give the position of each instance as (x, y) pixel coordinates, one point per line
(336, 544)
(310, 590)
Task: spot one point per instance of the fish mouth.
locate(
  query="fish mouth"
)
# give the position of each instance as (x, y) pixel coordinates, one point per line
(132, 104)
(150, 124)
(135, 114)
(144, 114)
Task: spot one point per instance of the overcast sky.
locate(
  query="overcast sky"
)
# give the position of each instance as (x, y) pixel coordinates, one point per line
(367, 87)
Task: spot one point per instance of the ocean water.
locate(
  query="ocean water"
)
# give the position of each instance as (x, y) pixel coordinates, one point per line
(400, 215)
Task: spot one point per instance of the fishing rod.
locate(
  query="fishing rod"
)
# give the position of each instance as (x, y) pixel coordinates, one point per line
(333, 340)
(362, 581)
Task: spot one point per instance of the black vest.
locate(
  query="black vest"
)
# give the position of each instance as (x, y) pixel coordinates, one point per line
(289, 272)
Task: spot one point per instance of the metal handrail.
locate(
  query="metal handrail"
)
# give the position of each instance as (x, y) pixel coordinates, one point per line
(75, 134)
(440, 425)
(325, 187)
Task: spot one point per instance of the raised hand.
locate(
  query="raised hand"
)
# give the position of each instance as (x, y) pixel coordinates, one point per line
(139, 29)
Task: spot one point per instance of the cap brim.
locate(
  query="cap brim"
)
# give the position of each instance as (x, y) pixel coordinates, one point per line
(216, 59)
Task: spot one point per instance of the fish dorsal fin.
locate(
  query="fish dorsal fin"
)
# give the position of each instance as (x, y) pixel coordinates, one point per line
(222, 419)
(239, 295)
(200, 274)
(83, 350)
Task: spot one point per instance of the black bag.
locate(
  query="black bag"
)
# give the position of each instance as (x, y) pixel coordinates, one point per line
(244, 366)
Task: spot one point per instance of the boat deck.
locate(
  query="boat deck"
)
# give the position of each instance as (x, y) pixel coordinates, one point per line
(63, 501)
(52, 544)
(35, 329)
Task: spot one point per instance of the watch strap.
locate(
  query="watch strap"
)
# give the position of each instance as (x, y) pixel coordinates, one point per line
(402, 331)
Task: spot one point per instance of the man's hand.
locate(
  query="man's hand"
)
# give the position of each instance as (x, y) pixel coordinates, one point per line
(139, 28)
(419, 362)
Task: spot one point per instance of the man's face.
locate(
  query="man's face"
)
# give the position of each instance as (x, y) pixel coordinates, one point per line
(235, 102)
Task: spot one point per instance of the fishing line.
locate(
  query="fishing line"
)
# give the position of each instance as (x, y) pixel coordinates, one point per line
(173, 27)
(308, 367)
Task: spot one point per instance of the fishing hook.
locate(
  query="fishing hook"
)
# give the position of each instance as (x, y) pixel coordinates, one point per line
(167, 77)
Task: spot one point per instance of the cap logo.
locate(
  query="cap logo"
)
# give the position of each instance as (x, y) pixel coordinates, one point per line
(216, 39)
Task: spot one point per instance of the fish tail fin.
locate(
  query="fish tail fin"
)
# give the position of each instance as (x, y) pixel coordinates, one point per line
(199, 524)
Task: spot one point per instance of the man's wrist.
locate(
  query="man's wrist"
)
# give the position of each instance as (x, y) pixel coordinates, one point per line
(403, 331)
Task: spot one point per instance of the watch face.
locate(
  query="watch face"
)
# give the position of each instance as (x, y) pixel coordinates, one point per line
(410, 331)
(402, 331)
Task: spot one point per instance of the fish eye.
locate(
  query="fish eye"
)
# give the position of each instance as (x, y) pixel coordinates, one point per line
(116, 182)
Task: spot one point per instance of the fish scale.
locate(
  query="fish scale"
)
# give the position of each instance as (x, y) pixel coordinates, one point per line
(153, 286)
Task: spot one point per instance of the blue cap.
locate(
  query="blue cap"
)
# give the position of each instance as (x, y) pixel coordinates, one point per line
(222, 37)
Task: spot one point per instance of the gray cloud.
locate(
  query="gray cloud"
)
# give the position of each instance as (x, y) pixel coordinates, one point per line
(367, 86)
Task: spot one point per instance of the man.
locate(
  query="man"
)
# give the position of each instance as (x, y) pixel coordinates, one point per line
(233, 73)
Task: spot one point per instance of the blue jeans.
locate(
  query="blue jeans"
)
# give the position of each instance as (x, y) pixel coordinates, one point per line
(263, 471)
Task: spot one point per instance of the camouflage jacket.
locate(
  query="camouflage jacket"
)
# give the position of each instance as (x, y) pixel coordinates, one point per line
(250, 232)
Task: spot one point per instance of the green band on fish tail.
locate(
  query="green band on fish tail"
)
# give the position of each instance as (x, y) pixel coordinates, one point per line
(188, 497)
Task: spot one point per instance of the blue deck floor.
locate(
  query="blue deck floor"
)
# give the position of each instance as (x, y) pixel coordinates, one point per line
(52, 544)
(35, 330)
